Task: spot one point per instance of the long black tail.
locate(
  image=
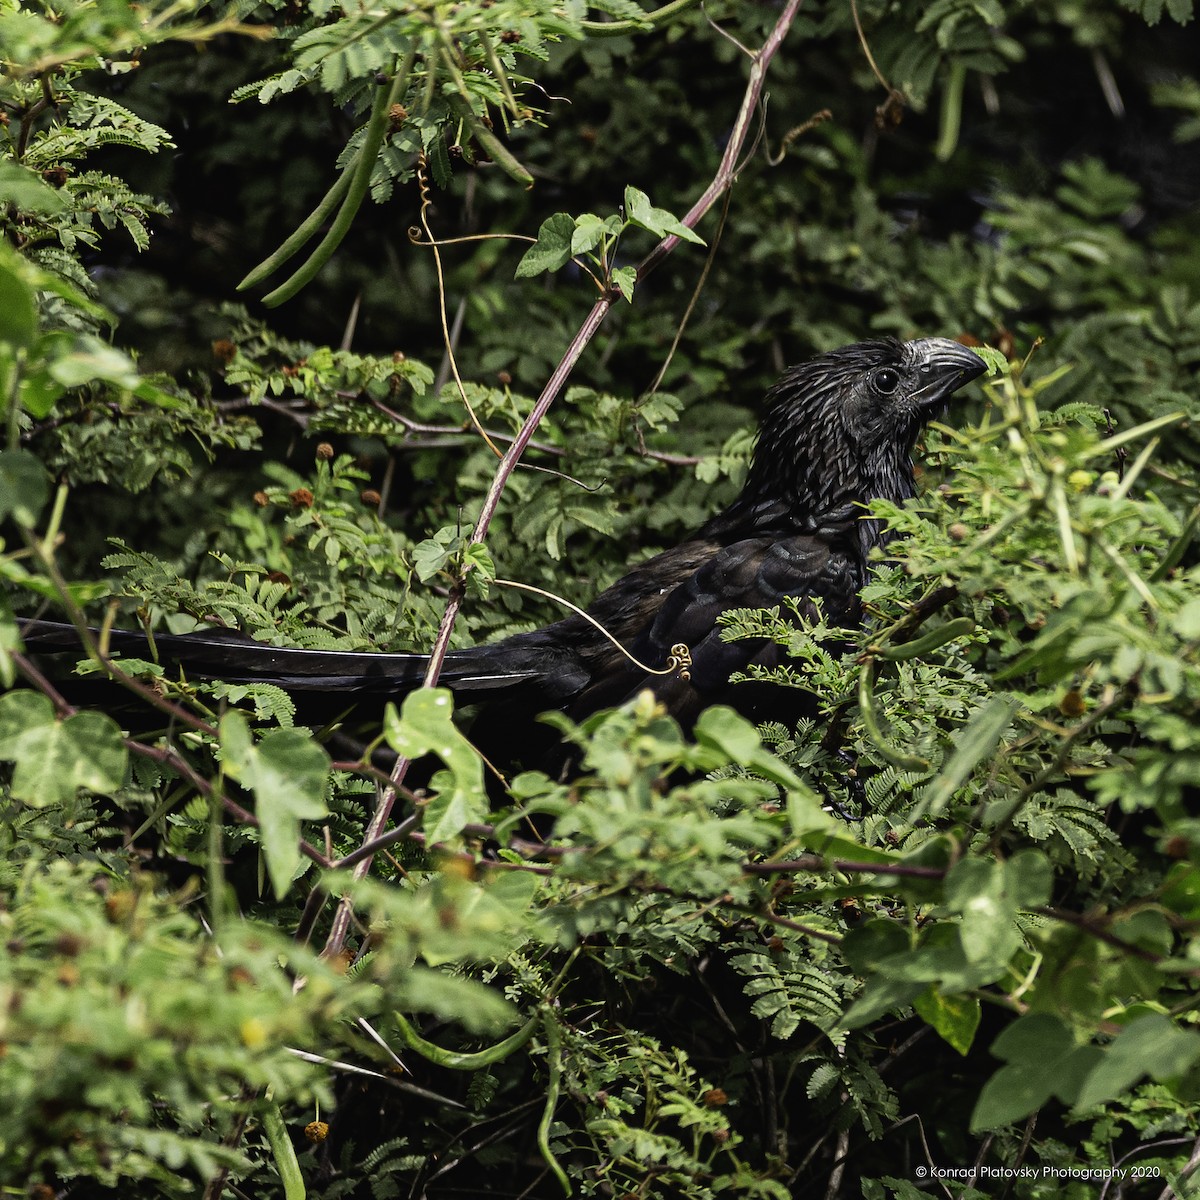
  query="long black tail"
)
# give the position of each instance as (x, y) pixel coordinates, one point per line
(232, 656)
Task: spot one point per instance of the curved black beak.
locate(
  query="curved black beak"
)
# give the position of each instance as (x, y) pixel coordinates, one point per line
(942, 367)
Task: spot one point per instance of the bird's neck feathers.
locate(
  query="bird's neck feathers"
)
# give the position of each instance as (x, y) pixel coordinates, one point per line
(809, 463)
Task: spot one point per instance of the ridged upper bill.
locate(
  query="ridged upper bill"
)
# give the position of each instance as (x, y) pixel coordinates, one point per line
(943, 367)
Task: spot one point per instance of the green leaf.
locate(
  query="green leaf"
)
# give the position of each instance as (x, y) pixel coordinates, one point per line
(287, 772)
(424, 726)
(1181, 891)
(552, 249)
(1044, 1061)
(18, 312)
(480, 569)
(26, 190)
(639, 211)
(977, 888)
(24, 486)
(972, 744)
(729, 732)
(875, 941)
(954, 1018)
(1151, 1045)
(997, 364)
(589, 232)
(430, 557)
(1029, 878)
(52, 758)
(480, 1009)
(10, 644)
(722, 729)
(1186, 622)
(91, 359)
(879, 996)
(624, 279)
(38, 392)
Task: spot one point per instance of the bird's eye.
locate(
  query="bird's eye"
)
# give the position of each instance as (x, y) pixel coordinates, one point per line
(886, 380)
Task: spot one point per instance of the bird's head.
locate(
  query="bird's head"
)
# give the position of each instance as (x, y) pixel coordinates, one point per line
(841, 426)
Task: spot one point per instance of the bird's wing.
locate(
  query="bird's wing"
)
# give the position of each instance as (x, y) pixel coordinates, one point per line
(753, 572)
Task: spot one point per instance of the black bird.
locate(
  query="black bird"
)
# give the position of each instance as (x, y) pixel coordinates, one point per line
(838, 433)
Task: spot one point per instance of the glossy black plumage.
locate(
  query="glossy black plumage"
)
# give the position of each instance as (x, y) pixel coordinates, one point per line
(838, 433)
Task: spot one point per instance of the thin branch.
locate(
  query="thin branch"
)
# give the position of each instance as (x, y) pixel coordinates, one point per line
(714, 244)
(888, 113)
(455, 435)
(726, 175)
(354, 1069)
(723, 180)
(1189, 1168)
(162, 755)
(1094, 926)
(454, 431)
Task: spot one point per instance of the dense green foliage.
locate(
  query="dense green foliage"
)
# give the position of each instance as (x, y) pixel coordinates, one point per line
(944, 941)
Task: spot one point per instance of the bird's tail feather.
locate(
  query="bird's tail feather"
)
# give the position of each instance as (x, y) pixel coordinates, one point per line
(236, 658)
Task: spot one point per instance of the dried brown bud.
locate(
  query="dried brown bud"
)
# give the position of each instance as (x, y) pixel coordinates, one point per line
(510, 36)
(398, 356)
(68, 944)
(262, 499)
(397, 115)
(714, 1098)
(959, 532)
(278, 577)
(120, 905)
(224, 350)
(370, 497)
(504, 378)
(316, 1132)
(1072, 704)
(301, 498)
(324, 451)
(56, 176)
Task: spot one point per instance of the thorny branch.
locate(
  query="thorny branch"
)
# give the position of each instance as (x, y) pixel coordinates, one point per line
(724, 179)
